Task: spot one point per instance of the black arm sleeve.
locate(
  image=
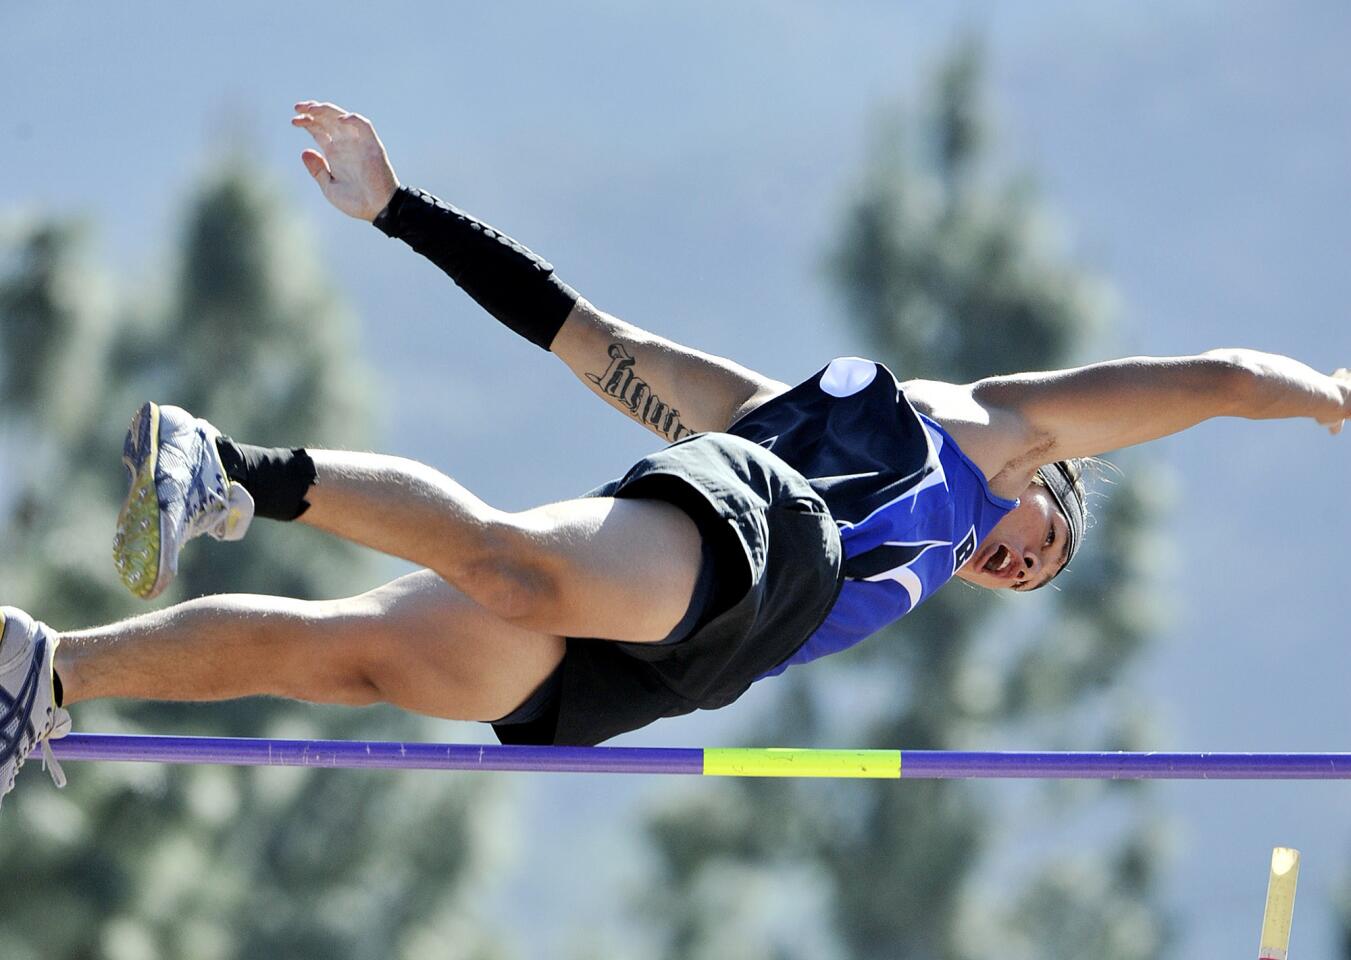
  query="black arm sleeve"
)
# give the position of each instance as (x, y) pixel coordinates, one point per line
(509, 281)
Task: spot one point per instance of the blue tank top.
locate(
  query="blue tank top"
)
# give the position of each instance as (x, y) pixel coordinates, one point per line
(910, 506)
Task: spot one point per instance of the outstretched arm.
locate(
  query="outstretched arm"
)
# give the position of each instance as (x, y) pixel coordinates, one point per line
(670, 389)
(1010, 425)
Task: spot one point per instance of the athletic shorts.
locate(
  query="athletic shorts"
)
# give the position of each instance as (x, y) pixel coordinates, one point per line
(776, 570)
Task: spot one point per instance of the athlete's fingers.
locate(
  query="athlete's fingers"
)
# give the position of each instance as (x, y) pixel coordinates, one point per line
(320, 110)
(355, 121)
(315, 128)
(320, 117)
(317, 166)
(325, 116)
(353, 126)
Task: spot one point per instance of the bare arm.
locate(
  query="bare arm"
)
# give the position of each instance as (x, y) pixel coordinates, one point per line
(670, 389)
(1011, 425)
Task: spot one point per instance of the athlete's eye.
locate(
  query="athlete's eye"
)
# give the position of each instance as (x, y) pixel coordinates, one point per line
(1050, 535)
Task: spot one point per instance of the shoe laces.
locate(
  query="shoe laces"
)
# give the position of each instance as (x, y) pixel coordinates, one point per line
(59, 728)
(206, 503)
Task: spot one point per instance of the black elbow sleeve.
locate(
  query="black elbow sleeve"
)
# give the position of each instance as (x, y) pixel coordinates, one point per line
(504, 277)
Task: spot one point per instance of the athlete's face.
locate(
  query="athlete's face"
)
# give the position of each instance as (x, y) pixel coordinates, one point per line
(1025, 549)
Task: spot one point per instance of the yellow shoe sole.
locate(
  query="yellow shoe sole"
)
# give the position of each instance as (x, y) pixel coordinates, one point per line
(136, 546)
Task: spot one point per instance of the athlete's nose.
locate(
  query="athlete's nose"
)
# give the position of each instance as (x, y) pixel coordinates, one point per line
(1031, 563)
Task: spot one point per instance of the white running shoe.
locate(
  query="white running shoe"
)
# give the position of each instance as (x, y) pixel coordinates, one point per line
(179, 490)
(29, 717)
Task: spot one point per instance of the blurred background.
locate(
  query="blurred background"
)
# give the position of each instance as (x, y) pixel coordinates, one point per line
(955, 190)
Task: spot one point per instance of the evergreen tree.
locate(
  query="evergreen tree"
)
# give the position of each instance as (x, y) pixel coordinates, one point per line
(148, 861)
(954, 277)
(1342, 915)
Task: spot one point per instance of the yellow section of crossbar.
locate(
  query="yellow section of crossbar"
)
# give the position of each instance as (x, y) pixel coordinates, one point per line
(1280, 910)
(761, 762)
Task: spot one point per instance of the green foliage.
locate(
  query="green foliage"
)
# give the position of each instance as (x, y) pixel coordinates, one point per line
(952, 277)
(1342, 907)
(153, 861)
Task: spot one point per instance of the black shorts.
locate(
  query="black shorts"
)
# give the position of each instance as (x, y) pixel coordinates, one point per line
(776, 559)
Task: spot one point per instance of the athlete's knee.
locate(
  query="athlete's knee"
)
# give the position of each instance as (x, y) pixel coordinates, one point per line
(323, 653)
(516, 573)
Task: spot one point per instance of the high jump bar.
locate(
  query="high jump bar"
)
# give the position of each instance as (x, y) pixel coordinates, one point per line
(723, 762)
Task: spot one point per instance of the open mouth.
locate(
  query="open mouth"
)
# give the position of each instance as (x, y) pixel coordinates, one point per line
(999, 561)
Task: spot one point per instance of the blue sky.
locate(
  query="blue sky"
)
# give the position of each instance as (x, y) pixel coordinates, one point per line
(685, 167)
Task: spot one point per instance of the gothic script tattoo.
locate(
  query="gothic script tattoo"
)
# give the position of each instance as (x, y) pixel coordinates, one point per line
(620, 382)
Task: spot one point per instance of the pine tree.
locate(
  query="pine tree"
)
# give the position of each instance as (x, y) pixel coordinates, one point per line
(136, 861)
(954, 277)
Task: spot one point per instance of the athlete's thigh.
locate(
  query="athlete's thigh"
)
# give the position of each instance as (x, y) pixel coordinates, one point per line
(618, 569)
(431, 649)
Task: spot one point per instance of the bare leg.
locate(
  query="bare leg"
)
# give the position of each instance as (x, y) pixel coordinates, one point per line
(417, 643)
(600, 567)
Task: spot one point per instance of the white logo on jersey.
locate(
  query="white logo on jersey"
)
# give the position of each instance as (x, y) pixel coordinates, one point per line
(963, 551)
(847, 376)
(902, 574)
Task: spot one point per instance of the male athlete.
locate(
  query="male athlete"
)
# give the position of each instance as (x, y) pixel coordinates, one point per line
(779, 525)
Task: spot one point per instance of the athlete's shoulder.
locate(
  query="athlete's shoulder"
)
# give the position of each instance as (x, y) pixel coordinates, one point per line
(991, 437)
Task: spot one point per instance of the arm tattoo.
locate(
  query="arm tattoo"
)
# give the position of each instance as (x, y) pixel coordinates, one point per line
(631, 391)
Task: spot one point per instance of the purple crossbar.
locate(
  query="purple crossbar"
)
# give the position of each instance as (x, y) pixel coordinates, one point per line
(955, 765)
(916, 764)
(355, 754)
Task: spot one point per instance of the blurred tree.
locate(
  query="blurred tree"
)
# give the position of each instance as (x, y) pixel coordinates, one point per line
(953, 277)
(1342, 913)
(141, 862)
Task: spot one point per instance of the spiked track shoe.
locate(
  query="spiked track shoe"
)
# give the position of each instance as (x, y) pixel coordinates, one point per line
(178, 491)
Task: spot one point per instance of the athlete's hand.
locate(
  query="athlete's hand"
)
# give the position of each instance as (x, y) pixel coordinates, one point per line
(1342, 378)
(350, 166)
